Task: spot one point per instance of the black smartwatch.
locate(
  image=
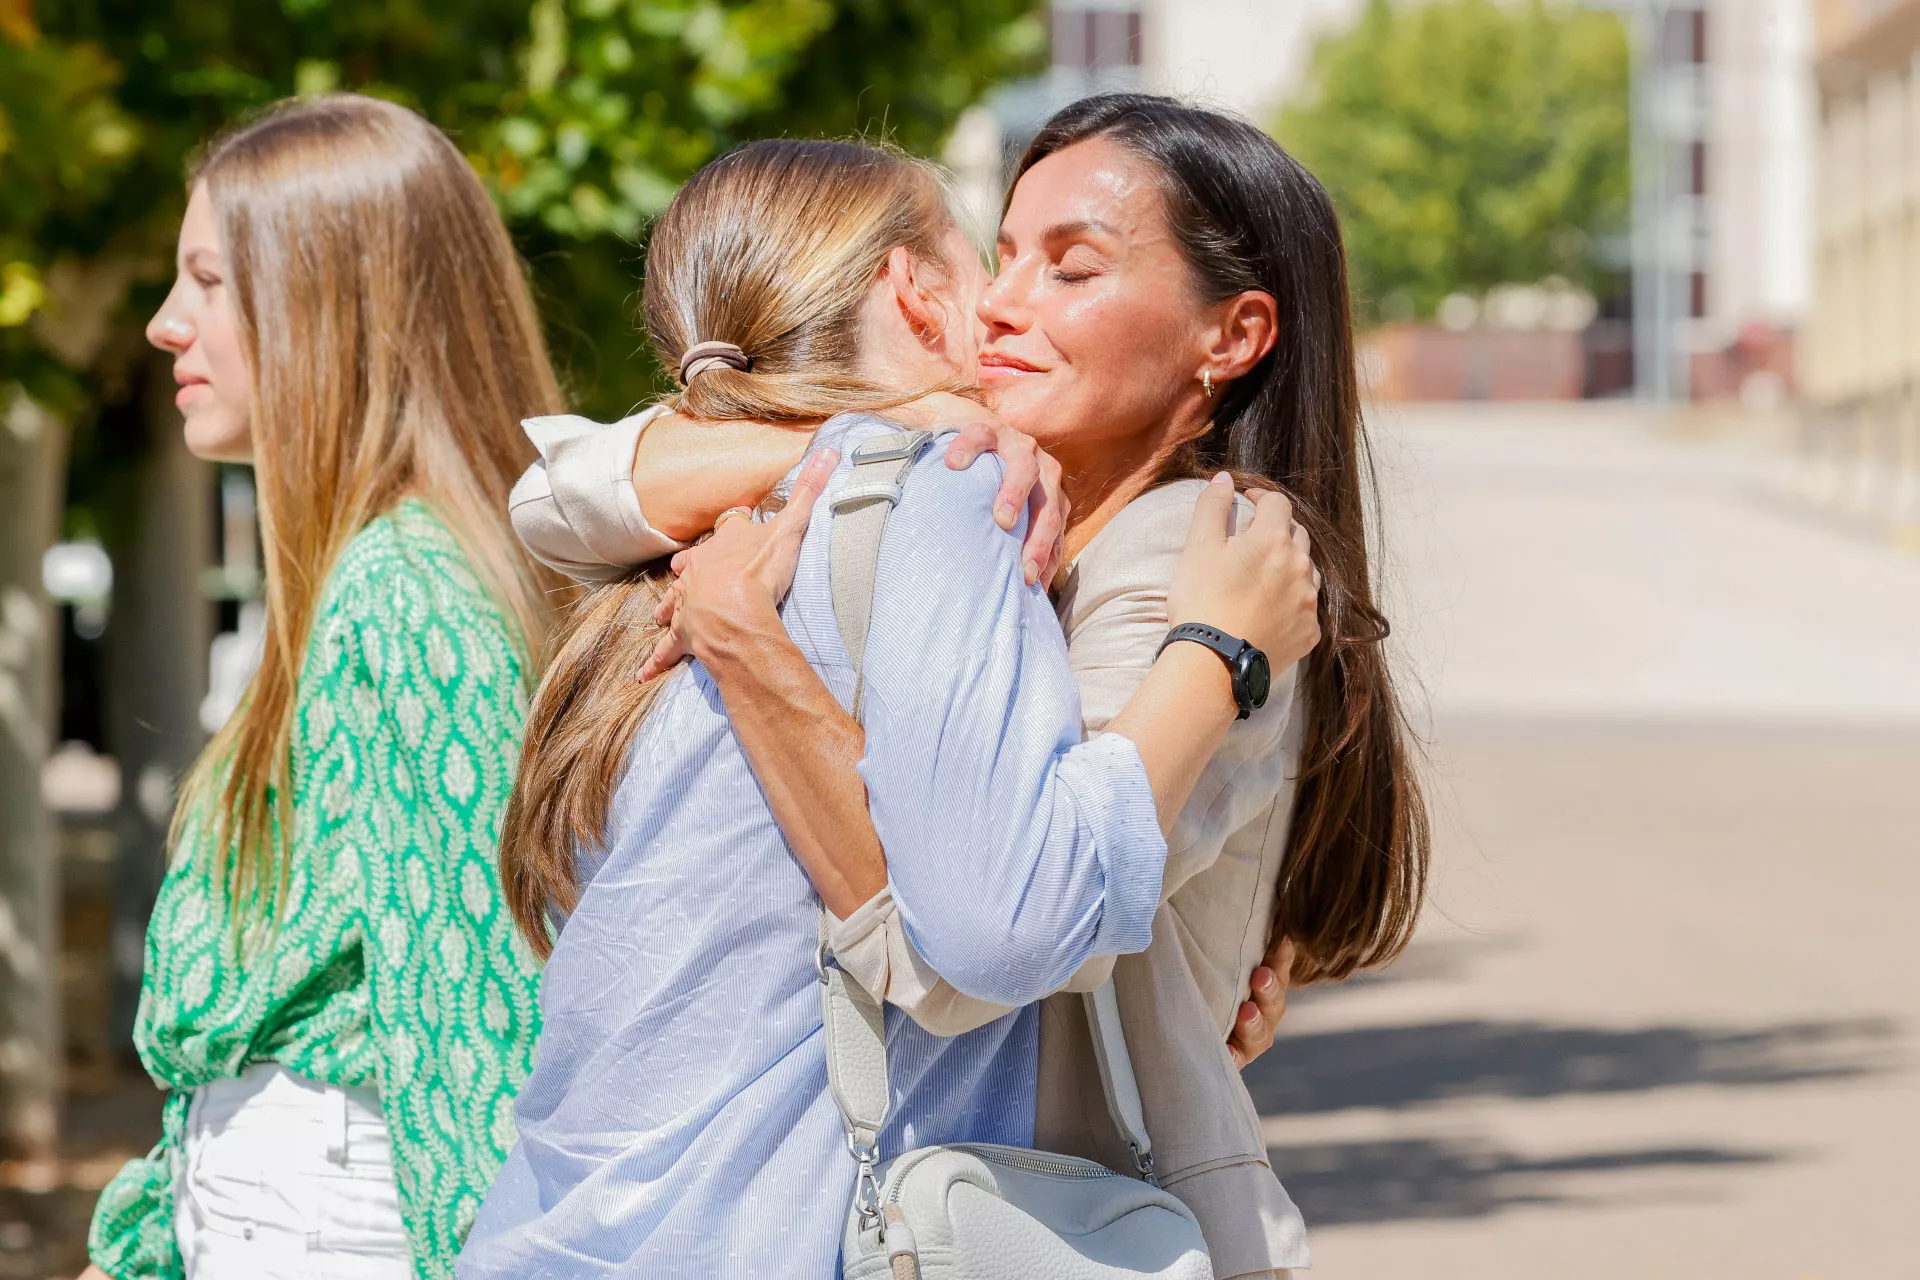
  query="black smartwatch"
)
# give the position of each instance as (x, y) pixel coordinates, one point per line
(1252, 677)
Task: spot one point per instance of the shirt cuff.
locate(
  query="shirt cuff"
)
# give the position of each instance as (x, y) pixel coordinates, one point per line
(859, 943)
(576, 509)
(872, 946)
(1113, 797)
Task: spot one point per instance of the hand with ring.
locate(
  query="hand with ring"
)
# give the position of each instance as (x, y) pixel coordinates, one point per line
(739, 575)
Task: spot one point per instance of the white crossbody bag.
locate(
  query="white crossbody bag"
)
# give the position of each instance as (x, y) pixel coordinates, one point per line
(975, 1211)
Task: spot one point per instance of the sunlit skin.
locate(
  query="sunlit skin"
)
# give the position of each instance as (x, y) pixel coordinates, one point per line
(197, 326)
(1094, 340)
(919, 326)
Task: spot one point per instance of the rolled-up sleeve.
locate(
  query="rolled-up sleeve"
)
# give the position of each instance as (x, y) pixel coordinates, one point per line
(1015, 850)
(872, 945)
(575, 509)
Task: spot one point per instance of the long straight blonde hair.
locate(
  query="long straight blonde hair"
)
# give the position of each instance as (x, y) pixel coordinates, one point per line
(394, 348)
(774, 248)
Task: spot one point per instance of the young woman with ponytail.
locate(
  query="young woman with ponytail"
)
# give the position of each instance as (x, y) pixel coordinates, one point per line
(334, 997)
(1172, 300)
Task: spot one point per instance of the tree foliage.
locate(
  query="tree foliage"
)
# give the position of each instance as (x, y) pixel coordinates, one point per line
(582, 115)
(63, 143)
(1468, 144)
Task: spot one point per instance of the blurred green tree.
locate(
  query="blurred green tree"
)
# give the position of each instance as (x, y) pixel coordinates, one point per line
(619, 100)
(63, 142)
(583, 116)
(1468, 144)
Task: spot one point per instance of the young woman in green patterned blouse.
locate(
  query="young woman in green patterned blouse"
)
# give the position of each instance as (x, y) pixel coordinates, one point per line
(335, 997)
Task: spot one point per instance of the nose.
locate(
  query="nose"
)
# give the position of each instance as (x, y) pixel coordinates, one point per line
(170, 332)
(1002, 307)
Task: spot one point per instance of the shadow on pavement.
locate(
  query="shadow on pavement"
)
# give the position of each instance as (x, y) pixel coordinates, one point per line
(1409, 1066)
(1361, 1182)
(1427, 960)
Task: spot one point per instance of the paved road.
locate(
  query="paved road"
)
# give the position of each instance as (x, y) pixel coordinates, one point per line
(1661, 1017)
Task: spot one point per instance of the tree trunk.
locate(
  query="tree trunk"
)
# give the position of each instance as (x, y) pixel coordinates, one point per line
(32, 447)
(157, 643)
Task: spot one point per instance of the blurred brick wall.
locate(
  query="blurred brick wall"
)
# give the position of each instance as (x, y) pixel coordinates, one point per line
(1415, 361)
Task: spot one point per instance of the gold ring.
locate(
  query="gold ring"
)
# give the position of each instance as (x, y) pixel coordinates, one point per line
(745, 513)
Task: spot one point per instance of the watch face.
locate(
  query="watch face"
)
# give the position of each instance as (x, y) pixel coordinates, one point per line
(1256, 676)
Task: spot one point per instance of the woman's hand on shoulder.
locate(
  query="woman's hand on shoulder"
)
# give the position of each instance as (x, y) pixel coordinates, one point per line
(732, 584)
(1259, 584)
(1032, 476)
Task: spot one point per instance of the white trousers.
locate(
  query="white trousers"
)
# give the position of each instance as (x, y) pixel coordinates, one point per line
(288, 1179)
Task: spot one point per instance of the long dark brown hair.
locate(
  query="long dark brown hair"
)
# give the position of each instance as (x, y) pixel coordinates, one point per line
(773, 248)
(1248, 216)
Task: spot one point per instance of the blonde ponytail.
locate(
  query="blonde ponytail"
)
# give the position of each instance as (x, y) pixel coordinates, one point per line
(771, 250)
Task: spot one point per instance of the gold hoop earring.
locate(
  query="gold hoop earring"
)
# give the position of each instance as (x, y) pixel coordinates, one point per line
(1206, 382)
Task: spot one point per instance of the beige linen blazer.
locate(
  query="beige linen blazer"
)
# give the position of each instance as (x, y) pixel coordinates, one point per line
(1178, 998)
(575, 509)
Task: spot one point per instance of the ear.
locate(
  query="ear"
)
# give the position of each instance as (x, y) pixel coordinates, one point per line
(917, 306)
(1247, 327)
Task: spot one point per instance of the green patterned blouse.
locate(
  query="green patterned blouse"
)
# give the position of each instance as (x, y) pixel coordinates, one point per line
(396, 963)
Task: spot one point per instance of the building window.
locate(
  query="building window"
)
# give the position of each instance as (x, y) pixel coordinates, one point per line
(1096, 38)
(1684, 37)
(1699, 300)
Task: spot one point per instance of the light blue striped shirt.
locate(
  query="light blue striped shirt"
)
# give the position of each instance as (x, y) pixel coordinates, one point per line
(678, 1121)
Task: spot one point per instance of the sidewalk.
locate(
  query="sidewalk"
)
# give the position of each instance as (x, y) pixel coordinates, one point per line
(1659, 1020)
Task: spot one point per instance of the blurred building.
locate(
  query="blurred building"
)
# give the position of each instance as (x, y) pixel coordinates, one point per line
(1719, 254)
(1722, 143)
(1862, 356)
(1245, 56)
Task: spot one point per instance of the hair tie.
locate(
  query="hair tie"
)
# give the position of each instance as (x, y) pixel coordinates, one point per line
(702, 356)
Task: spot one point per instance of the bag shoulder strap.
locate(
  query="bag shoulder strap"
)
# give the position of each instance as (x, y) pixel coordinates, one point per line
(1117, 1080)
(855, 1028)
(860, 511)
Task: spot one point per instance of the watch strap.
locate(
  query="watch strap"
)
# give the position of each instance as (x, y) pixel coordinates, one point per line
(1215, 639)
(1220, 642)
(1228, 647)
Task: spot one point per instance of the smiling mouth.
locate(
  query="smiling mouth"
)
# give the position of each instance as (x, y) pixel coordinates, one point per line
(1004, 367)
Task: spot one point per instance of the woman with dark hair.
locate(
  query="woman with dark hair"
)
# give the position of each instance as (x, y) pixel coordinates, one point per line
(1172, 300)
